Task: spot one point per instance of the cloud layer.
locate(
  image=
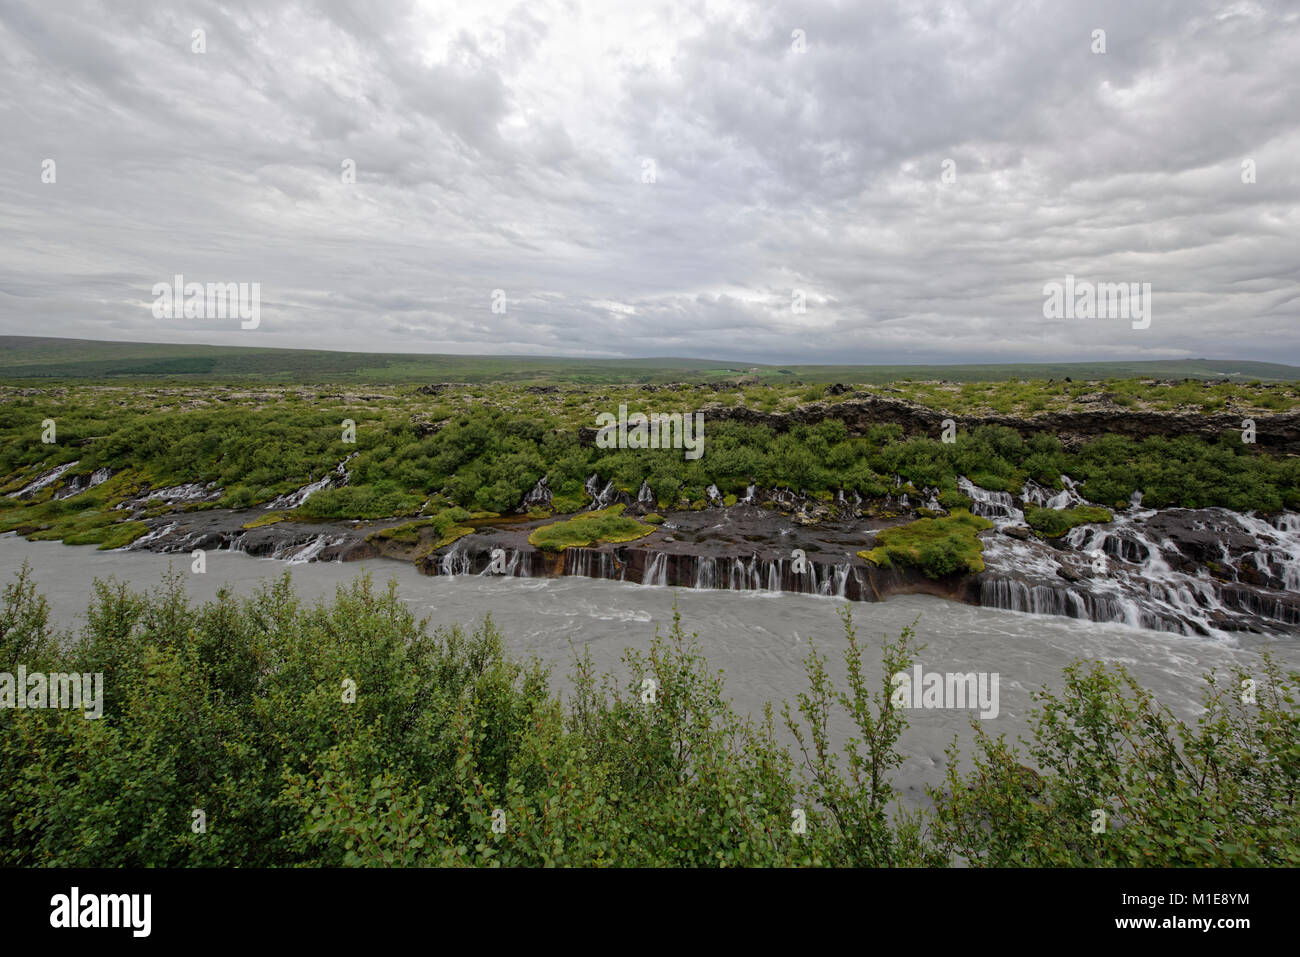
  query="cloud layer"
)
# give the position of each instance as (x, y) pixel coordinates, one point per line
(796, 152)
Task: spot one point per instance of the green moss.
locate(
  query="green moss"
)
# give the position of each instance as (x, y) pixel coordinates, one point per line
(1054, 523)
(606, 525)
(270, 518)
(443, 525)
(654, 518)
(937, 546)
(108, 536)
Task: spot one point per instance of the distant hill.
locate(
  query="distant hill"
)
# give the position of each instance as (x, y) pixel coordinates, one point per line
(31, 357)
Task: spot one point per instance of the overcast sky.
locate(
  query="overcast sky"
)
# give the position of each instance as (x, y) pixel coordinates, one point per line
(507, 146)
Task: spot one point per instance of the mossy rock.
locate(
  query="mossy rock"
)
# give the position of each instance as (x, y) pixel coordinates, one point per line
(938, 547)
(270, 518)
(605, 525)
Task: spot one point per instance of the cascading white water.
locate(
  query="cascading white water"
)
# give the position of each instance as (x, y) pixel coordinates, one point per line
(44, 480)
(656, 573)
(335, 477)
(1035, 494)
(77, 486)
(774, 575)
(1128, 576)
(539, 496)
(457, 560)
(706, 572)
(161, 532)
(1279, 551)
(998, 507)
(301, 554)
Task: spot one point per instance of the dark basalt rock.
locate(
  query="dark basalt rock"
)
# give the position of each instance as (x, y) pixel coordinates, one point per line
(1278, 433)
(1182, 570)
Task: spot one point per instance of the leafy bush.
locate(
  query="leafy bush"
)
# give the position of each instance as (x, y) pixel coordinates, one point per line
(238, 707)
(1054, 522)
(366, 501)
(1219, 793)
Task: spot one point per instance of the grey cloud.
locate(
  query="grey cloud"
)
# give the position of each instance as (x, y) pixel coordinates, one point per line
(502, 146)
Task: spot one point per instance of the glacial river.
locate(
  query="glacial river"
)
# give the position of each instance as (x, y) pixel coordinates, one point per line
(758, 639)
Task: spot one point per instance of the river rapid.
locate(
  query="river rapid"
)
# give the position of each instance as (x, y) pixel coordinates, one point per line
(758, 638)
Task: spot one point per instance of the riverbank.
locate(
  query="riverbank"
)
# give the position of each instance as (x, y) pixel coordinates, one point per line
(1189, 571)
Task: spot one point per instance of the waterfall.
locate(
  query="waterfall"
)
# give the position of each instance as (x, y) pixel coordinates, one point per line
(44, 480)
(83, 483)
(601, 496)
(999, 507)
(706, 572)
(334, 478)
(1012, 595)
(508, 567)
(656, 573)
(1146, 580)
(714, 495)
(841, 576)
(538, 497)
(161, 532)
(645, 495)
(1278, 554)
(457, 560)
(301, 554)
(590, 563)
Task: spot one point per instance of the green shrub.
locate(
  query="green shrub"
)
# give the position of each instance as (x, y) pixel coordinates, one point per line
(235, 707)
(1054, 523)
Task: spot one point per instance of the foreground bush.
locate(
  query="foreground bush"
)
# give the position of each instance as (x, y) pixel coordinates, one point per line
(453, 753)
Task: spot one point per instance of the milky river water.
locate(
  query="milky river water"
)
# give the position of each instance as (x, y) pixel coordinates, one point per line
(758, 639)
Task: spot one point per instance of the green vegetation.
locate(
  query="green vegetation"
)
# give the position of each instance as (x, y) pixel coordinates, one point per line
(483, 448)
(237, 707)
(381, 499)
(605, 525)
(937, 546)
(1056, 522)
(443, 527)
(270, 518)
